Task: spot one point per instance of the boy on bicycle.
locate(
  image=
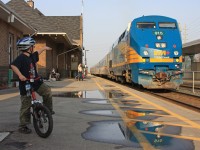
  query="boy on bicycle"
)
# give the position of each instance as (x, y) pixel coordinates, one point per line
(21, 66)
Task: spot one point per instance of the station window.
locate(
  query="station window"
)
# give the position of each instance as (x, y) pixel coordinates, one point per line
(11, 48)
(171, 25)
(146, 25)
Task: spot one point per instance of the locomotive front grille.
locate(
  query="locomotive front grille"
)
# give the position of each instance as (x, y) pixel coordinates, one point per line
(161, 75)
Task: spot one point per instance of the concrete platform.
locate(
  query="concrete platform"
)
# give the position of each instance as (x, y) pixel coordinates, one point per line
(99, 114)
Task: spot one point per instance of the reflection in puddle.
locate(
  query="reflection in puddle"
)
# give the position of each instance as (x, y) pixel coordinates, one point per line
(97, 101)
(133, 111)
(114, 94)
(81, 94)
(116, 132)
(108, 132)
(127, 102)
(109, 113)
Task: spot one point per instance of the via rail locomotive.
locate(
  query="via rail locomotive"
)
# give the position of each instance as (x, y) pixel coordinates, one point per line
(147, 53)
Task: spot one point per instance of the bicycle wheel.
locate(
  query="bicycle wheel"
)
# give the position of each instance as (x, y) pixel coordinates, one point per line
(42, 121)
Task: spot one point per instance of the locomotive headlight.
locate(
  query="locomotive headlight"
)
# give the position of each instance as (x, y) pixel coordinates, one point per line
(159, 37)
(158, 45)
(163, 45)
(175, 53)
(146, 53)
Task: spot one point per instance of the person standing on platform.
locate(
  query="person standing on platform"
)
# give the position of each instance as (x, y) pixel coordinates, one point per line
(80, 72)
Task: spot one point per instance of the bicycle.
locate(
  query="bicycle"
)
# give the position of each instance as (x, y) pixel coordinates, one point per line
(40, 113)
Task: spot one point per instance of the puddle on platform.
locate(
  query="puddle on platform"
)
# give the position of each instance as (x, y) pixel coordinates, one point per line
(115, 94)
(115, 132)
(97, 101)
(80, 94)
(109, 113)
(131, 113)
(129, 101)
(143, 111)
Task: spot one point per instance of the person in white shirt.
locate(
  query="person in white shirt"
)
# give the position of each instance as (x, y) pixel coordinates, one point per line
(80, 72)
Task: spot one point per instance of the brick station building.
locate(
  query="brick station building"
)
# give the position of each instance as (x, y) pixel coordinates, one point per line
(62, 33)
(12, 28)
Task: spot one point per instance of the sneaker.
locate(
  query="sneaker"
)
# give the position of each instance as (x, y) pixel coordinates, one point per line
(25, 130)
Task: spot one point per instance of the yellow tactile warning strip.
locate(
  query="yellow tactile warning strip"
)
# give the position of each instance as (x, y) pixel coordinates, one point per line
(6, 96)
(189, 123)
(162, 122)
(163, 109)
(141, 139)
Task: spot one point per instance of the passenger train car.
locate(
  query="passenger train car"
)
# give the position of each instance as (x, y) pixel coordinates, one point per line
(147, 53)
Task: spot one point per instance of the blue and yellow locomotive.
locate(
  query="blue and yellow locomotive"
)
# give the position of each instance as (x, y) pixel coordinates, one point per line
(148, 53)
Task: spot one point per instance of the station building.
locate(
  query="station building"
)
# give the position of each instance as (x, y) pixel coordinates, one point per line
(12, 28)
(62, 33)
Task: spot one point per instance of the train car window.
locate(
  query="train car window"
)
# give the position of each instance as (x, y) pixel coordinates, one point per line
(171, 25)
(144, 25)
(121, 37)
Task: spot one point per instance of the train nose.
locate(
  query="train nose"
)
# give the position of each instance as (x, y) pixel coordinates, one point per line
(161, 75)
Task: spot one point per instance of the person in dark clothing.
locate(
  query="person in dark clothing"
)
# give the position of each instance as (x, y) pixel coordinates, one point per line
(21, 66)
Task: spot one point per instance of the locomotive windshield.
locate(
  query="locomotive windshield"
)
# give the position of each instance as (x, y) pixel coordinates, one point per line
(171, 25)
(143, 25)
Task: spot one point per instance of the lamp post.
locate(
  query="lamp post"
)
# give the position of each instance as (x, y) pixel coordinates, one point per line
(85, 68)
(86, 57)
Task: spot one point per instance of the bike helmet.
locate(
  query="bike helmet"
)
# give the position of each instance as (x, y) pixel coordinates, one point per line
(25, 43)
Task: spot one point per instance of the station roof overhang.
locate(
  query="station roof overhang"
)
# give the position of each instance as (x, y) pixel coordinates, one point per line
(14, 20)
(59, 37)
(191, 48)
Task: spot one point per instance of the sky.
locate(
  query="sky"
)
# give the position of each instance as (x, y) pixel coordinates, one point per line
(105, 20)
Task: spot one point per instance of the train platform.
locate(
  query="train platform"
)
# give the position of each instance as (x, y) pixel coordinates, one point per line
(100, 114)
(187, 82)
(190, 88)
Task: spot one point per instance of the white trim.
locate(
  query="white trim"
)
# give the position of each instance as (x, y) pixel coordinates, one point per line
(51, 33)
(56, 33)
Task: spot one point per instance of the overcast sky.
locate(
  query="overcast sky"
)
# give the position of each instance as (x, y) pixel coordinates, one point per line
(105, 20)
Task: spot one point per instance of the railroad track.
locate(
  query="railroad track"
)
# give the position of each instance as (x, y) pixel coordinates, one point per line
(188, 89)
(183, 96)
(180, 97)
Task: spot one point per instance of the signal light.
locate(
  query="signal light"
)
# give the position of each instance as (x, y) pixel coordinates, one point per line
(159, 37)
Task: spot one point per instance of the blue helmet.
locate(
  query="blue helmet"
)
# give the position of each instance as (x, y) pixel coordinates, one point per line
(25, 43)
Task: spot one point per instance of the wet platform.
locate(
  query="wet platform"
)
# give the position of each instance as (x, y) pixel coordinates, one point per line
(99, 114)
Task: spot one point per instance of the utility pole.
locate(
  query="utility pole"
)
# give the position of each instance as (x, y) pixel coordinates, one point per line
(85, 57)
(183, 33)
(82, 27)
